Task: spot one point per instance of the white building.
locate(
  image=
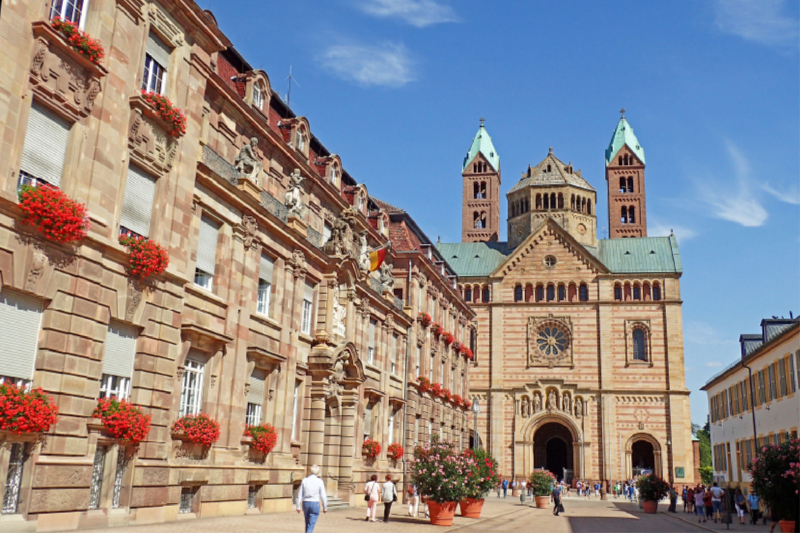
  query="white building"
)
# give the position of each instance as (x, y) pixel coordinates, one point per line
(767, 376)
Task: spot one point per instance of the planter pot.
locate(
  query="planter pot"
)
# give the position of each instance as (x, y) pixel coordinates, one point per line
(787, 526)
(471, 508)
(442, 513)
(542, 502)
(650, 506)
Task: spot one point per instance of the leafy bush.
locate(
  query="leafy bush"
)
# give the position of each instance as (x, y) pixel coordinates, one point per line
(482, 475)
(776, 477)
(542, 482)
(652, 488)
(439, 471)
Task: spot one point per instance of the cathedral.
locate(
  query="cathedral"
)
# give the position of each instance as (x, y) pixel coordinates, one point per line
(579, 365)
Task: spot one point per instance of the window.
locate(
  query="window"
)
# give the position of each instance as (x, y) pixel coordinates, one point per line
(637, 292)
(539, 293)
(550, 261)
(773, 390)
(255, 397)
(120, 351)
(632, 215)
(21, 341)
(639, 346)
(617, 292)
(206, 253)
(468, 295)
(187, 500)
(45, 148)
(371, 343)
(368, 421)
(486, 295)
(156, 61)
(115, 386)
(192, 383)
(252, 496)
(295, 403)
(301, 147)
(71, 10)
(308, 303)
(518, 293)
(16, 462)
(551, 293)
(326, 232)
(430, 367)
(391, 425)
(782, 378)
(137, 205)
(258, 97)
(393, 354)
(792, 372)
(743, 395)
(562, 293)
(762, 393)
(265, 274)
(656, 292)
(623, 216)
(584, 293)
(419, 358)
(98, 469)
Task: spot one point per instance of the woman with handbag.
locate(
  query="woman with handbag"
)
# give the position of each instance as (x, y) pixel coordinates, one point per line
(371, 493)
(389, 497)
(413, 500)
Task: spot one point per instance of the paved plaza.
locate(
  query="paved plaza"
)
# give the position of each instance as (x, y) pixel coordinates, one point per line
(581, 516)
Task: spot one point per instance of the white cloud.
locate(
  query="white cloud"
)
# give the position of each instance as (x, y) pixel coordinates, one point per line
(385, 64)
(735, 201)
(714, 364)
(419, 13)
(760, 21)
(790, 195)
(656, 228)
(705, 335)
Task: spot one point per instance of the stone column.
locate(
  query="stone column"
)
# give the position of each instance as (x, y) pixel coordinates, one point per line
(333, 429)
(349, 401)
(316, 427)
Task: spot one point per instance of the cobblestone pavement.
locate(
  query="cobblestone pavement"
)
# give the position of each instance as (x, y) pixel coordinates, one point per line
(501, 515)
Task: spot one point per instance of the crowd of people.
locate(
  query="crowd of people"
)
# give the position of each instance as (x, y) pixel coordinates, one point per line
(707, 504)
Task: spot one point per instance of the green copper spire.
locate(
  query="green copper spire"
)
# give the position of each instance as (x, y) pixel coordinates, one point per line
(482, 143)
(623, 134)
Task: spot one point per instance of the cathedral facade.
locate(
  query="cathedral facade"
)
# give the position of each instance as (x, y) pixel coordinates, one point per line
(579, 360)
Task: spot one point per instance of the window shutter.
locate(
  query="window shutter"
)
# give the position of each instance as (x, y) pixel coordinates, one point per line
(308, 292)
(158, 50)
(257, 381)
(22, 316)
(137, 207)
(197, 356)
(368, 421)
(120, 350)
(326, 233)
(45, 145)
(266, 270)
(207, 245)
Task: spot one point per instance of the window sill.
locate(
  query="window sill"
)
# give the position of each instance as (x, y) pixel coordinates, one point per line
(305, 337)
(206, 294)
(266, 320)
(640, 364)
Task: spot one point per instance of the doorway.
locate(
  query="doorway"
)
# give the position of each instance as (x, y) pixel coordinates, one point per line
(552, 450)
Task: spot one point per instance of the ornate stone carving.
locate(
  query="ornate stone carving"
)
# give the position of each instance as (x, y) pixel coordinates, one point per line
(135, 298)
(549, 341)
(250, 227)
(386, 277)
(247, 161)
(537, 402)
(37, 268)
(525, 407)
(363, 252)
(298, 262)
(150, 146)
(339, 314)
(578, 408)
(293, 198)
(565, 403)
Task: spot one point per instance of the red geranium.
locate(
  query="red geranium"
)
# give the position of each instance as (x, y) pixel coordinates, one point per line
(447, 337)
(26, 411)
(446, 394)
(122, 419)
(371, 448)
(170, 113)
(395, 451)
(436, 328)
(264, 437)
(200, 429)
(424, 319)
(52, 212)
(457, 346)
(146, 257)
(79, 40)
(437, 389)
(467, 404)
(424, 384)
(467, 352)
(456, 399)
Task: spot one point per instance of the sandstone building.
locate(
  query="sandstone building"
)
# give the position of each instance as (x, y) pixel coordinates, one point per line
(580, 364)
(267, 312)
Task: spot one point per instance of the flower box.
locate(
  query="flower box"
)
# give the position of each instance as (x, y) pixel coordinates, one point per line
(467, 353)
(160, 109)
(446, 395)
(424, 384)
(436, 328)
(395, 451)
(371, 448)
(200, 429)
(146, 258)
(122, 420)
(57, 216)
(447, 337)
(26, 411)
(457, 346)
(81, 42)
(424, 319)
(263, 437)
(436, 389)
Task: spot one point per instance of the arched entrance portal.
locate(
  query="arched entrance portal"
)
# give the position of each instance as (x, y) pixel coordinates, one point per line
(643, 459)
(553, 450)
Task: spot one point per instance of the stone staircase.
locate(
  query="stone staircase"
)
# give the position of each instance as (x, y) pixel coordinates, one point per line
(337, 504)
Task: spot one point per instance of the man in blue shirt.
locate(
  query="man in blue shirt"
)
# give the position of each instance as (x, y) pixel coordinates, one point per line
(556, 495)
(311, 493)
(505, 488)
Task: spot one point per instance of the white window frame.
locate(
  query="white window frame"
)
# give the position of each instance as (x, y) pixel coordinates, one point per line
(368, 417)
(115, 387)
(305, 326)
(59, 8)
(253, 415)
(295, 404)
(152, 74)
(371, 342)
(419, 357)
(393, 355)
(430, 370)
(258, 97)
(264, 297)
(192, 389)
(391, 425)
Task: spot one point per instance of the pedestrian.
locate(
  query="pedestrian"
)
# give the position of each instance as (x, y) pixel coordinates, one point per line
(389, 496)
(752, 503)
(716, 502)
(413, 500)
(738, 501)
(499, 488)
(690, 495)
(699, 505)
(372, 491)
(709, 507)
(684, 496)
(556, 497)
(505, 488)
(773, 515)
(311, 493)
(673, 499)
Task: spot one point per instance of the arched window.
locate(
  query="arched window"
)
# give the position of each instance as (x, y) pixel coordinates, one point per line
(476, 192)
(560, 201)
(538, 202)
(539, 293)
(476, 218)
(630, 184)
(552, 200)
(528, 292)
(623, 216)
(547, 201)
(584, 292)
(572, 202)
(618, 292)
(583, 205)
(548, 168)
(639, 345)
(551, 293)
(562, 293)
(589, 207)
(625, 159)
(468, 295)
(637, 292)
(486, 295)
(301, 141)
(622, 185)
(632, 215)
(656, 291)
(620, 160)
(518, 293)
(483, 190)
(646, 294)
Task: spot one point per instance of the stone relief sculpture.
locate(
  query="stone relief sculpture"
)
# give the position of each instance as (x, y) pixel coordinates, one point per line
(386, 278)
(247, 163)
(537, 403)
(293, 199)
(250, 227)
(578, 408)
(339, 314)
(525, 407)
(552, 401)
(363, 252)
(566, 404)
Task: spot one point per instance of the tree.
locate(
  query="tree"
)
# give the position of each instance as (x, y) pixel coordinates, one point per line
(704, 436)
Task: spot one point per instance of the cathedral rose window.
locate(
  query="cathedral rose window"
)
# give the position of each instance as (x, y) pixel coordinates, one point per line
(551, 341)
(550, 261)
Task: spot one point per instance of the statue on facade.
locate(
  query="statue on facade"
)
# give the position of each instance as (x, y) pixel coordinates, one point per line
(247, 163)
(552, 401)
(566, 403)
(537, 403)
(525, 407)
(293, 199)
(387, 278)
(339, 314)
(578, 408)
(363, 252)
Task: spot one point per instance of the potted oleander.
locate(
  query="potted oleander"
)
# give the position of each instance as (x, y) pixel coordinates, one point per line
(776, 480)
(482, 477)
(651, 489)
(542, 481)
(439, 472)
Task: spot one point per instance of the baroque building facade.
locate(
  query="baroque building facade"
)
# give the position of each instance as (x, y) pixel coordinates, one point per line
(579, 365)
(267, 314)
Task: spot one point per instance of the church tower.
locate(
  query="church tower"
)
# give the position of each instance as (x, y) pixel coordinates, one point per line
(480, 208)
(627, 212)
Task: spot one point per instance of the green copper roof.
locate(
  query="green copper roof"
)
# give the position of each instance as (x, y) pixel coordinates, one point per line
(482, 143)
(478, 259)
(623, 134)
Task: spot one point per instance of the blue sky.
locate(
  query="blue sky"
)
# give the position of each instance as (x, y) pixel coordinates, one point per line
(711, 87)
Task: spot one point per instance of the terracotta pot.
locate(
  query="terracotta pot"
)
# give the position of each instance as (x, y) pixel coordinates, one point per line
(471, 508)
(542, 502)
(650, 506)
(442, 513)
(787, 526)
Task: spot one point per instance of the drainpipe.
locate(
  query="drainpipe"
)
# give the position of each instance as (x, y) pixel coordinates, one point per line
(752, 404)
(405, 405)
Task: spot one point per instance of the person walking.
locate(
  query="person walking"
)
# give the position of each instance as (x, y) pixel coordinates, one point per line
(690, 495)
(699, 505)
(499, 488)
(673, 499)
(372, 492)
(311, 493)
(505, 488)
(684, 497)
(709, 507)
(752, 503)
(716, 502)
(413, 500)
(556, 497)
(738, 502)
(389, 495)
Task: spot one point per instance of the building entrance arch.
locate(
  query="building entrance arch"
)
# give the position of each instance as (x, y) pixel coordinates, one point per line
(643, 453)
(553, 450)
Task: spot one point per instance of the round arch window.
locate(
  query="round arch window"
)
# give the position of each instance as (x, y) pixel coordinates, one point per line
(550, 261)
(551, 341)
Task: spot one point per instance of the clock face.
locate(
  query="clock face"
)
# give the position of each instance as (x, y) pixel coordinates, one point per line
(581, 229)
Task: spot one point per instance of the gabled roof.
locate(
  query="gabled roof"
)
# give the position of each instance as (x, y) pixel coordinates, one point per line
(482, 143)
(623, 135)
(558, 174)
(474, 259)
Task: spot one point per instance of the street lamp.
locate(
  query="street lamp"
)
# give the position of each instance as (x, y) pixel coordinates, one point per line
(476, 410)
